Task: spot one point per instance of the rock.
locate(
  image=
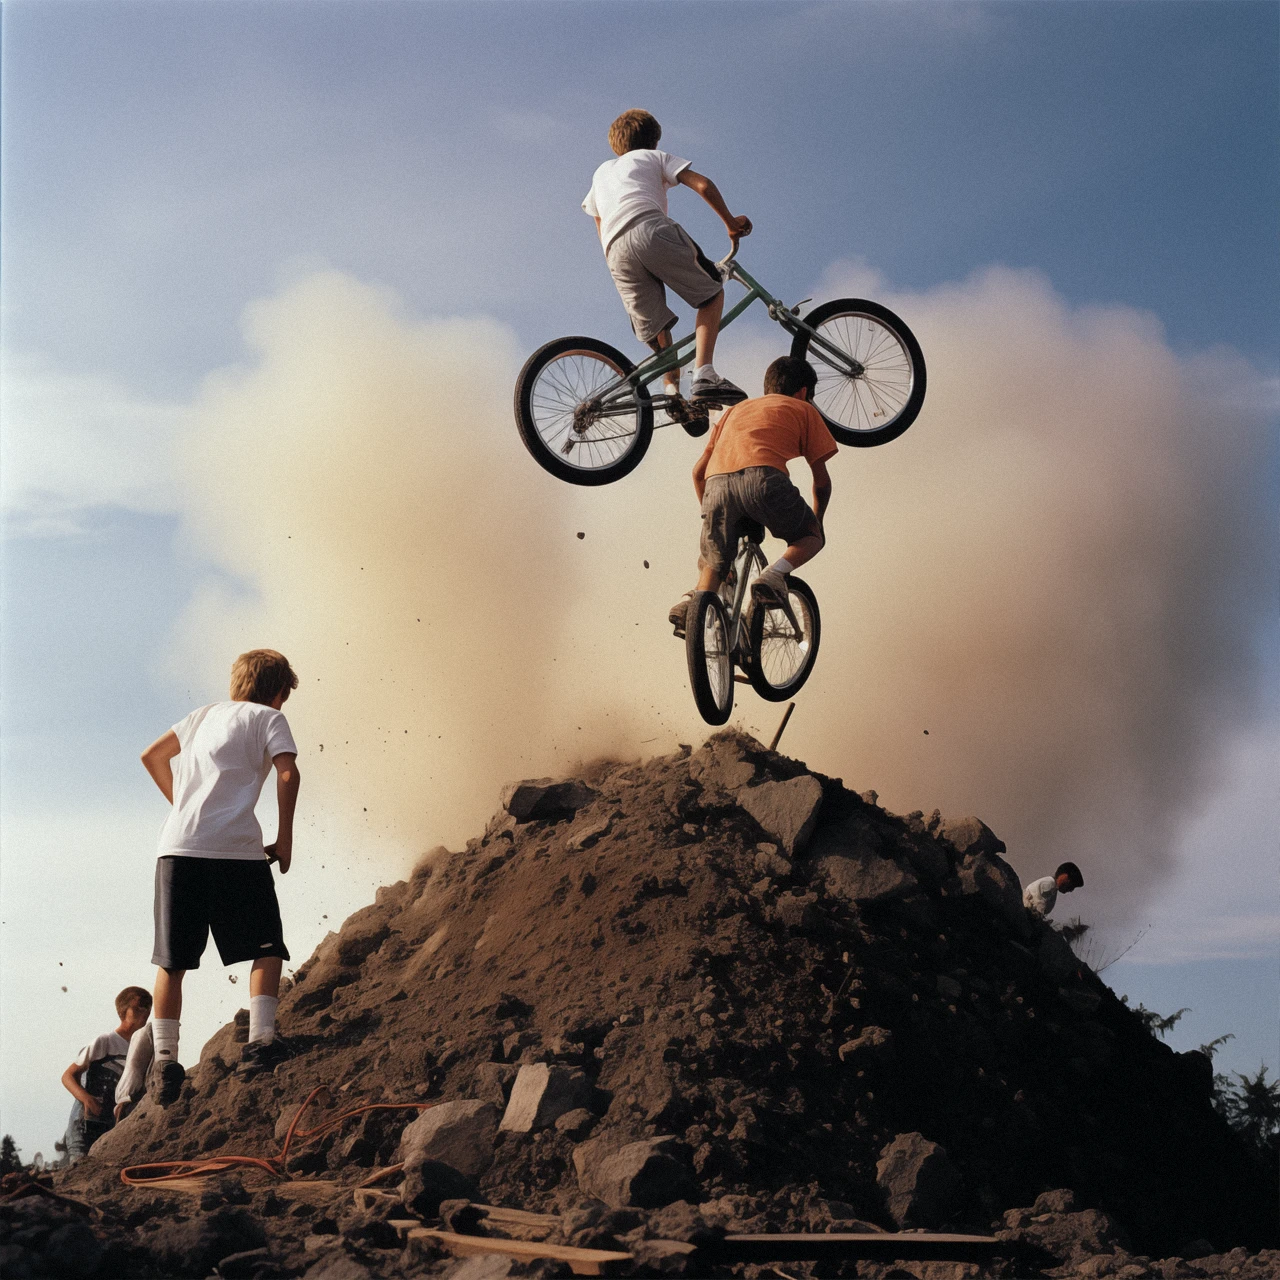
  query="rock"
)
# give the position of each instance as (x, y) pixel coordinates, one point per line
(546, 799)
(645, 1175)
(682, 1221)
(427, 1184)
(769, 862)
(663, 1257)
(459, 1134)
(991, 878)
(337, 1265)
(1060, 1201)
(493, 1082)
(971, 836)
(864, 877)
(195, 1247)
(1087, 1002)
(72, 1250)
(1068, 1236)
(919, 1183)
(541, 1095)
(787, 810)
(1057, 961)
(587, 833)
(797, 910)
(576, 1123)
(875, 1044)
(721, 763)
(485, 1267)
(949, 988)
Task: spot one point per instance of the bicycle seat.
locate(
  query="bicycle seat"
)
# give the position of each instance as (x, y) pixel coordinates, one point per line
(750, 529)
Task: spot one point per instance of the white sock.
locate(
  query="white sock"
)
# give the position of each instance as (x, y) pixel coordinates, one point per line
(165, 1031)
(262, 1018)
(705, 371)
(781, 565)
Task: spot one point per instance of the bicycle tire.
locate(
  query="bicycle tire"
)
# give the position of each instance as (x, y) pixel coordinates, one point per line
(780, 671)
(558, 378)
(877, 338)
(710, 669)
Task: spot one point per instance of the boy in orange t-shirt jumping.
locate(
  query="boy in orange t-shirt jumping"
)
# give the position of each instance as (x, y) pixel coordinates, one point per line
(742, 475)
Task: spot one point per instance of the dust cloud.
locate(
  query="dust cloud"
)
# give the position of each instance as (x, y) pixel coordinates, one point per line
(1057, 572)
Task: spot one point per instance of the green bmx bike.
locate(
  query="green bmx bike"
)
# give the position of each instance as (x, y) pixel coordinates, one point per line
(586, 414)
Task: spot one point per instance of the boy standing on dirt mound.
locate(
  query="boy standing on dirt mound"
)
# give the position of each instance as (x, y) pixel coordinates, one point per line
(742, 475)
(213, 872)
(646, 250)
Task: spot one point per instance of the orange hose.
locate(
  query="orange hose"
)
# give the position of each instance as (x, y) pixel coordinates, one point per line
(141, 1175)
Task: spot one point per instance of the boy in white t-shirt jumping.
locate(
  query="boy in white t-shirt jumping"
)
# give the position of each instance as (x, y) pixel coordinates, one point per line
(213, 872)
(647, 251)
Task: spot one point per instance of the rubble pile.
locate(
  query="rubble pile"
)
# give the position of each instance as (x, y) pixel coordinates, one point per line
(711, 992)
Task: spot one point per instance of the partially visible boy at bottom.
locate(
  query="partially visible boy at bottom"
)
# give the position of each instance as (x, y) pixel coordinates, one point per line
(742, 476)
(213, 872)
(93, 1077)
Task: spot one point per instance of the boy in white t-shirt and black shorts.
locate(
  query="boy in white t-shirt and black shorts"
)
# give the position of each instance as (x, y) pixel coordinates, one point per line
(647, 251)
(213, 872)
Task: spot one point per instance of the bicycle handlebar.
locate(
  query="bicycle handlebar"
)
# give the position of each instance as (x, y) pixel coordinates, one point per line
(729, 257)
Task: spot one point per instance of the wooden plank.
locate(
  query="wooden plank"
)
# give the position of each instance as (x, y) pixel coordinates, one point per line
(496, 1213)
(880, 1246)
(370, 1197)
(582, 1262)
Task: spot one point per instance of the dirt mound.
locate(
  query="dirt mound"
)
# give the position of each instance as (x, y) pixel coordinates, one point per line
(715, 978)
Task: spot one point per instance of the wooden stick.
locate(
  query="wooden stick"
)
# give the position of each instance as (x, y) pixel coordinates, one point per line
(791, 706)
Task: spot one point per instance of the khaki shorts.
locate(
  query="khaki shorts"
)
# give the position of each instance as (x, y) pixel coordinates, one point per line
(761, 494)
(650, 254)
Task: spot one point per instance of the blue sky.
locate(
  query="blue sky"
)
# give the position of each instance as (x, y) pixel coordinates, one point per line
(167, 167)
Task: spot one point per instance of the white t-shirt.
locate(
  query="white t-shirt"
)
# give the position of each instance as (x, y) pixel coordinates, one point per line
(1040, 895)
(630, 185)
(111, 1045)
(226, 753)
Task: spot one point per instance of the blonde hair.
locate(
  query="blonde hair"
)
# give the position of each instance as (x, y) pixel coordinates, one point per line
(634, 130)
(260, 674)
(132, 998)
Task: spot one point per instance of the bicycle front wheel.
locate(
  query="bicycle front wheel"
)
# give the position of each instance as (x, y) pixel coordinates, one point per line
(706, 645)
(782, 651)
(879, 398)
(572, 431)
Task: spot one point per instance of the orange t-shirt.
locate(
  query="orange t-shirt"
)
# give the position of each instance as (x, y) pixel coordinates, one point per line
(768, 432)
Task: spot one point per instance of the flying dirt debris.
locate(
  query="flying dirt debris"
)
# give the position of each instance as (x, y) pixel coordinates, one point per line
(658, 1008)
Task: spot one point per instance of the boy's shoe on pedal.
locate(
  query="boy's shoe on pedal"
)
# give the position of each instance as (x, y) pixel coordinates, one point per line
(713, 389)
(164, 1082)
(679, 612)
(258, 1056)
(770, 589)
(692, 417)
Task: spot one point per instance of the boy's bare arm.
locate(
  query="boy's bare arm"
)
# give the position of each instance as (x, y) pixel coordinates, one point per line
(599, 232)
(821, 489)
(156, 760)
(71, 1082)
(700, 469)
(736, 226)
(287, 780)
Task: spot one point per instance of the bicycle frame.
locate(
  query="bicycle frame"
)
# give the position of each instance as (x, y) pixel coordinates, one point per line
(749, 557)
(613, 394)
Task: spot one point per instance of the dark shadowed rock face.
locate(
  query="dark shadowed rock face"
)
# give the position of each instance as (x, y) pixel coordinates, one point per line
(678, 993)
(920, 1184)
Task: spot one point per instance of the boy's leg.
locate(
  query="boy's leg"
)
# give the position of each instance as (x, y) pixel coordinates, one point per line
(76, 1142)
(264, 996)
(670, 379)
(706, 328)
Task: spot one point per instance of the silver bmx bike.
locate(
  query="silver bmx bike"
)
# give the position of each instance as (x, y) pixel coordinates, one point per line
(586, 413)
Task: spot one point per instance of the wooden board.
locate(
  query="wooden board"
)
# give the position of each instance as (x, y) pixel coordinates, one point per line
(369, 1197)
(582, 1262)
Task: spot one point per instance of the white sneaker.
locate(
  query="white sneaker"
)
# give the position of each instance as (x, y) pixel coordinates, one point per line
(770, 588)
(716, 390)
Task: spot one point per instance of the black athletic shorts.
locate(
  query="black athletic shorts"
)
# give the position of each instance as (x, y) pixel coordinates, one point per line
(234, 898)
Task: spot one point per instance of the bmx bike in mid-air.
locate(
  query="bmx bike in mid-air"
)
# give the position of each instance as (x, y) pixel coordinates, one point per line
(773, 645)
(586, 414)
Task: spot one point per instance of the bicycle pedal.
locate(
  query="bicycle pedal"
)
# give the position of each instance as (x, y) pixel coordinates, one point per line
(678, 632)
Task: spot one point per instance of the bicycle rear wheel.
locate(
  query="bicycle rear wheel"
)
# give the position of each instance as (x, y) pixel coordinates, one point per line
(706, 645)
(880, 403)
(782, 655)
(564, 425)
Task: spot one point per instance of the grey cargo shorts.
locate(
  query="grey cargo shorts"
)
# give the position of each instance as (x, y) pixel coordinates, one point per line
(649, 254)
(763, 494)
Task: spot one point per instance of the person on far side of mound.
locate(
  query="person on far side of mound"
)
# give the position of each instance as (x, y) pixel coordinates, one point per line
(742, 475)
(646, 251)
(92, 1078)
(213, 872)
(1040, 895)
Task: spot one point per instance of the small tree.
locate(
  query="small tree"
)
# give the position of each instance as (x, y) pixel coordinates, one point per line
(1251, 1106)
(9, 1159)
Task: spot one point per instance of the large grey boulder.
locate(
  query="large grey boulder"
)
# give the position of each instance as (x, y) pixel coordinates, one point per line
(645, 1175)
(546, 799)
(459, 1134)
(970, 835)
(541, 1095)
(863, 877)
(919, 1183)
(786, 810)
(992, 879)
